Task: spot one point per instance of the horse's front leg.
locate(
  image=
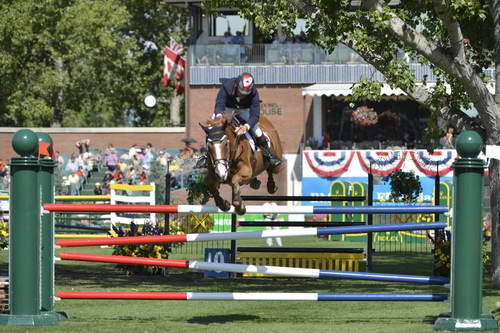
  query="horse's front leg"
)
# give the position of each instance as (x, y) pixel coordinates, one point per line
(238, 204)
(242, 176)
(213, 188)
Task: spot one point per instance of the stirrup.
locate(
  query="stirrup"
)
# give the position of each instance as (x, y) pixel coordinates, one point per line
(274, 162)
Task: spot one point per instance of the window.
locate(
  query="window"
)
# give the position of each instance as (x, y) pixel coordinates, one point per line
(227, 21)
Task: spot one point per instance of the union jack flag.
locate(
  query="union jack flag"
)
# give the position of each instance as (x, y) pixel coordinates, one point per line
(174, 63)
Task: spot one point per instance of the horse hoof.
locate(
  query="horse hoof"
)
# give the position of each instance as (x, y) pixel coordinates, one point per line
(272, 188)
(240, 210)
(255, 184)
(225, 205)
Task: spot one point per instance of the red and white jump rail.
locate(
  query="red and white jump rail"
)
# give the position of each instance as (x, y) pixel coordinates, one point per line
(257, 209)
(188, 296)
(237, 268)
(185, 238)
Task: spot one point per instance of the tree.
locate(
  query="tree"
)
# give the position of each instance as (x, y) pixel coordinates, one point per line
(82, 63)
(457, 39)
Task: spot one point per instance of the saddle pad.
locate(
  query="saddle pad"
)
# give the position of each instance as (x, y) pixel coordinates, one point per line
(252, 142)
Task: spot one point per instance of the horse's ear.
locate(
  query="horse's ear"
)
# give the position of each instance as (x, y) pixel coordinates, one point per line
(203, 127)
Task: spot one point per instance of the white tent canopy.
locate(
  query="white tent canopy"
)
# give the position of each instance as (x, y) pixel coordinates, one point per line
(344, 89)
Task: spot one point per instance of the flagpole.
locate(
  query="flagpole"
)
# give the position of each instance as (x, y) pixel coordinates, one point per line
(187, 91)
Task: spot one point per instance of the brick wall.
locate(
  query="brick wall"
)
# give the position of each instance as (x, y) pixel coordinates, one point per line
(65, 142)
(283, 105)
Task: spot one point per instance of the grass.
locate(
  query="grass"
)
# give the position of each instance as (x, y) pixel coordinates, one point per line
(239, 316)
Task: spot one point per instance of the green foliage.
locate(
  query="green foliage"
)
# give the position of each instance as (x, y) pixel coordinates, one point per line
(83, 63)
(442, 256)
(197, 190)
(405, 186)
(4, 234)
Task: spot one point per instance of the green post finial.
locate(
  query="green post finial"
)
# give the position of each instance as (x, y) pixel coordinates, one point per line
(469, 144)
(25, 143)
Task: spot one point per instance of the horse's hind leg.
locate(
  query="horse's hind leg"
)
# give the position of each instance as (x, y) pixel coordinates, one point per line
(255, 184)
(271, 184)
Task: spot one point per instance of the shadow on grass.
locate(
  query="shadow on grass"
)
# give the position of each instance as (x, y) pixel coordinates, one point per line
(221, 319)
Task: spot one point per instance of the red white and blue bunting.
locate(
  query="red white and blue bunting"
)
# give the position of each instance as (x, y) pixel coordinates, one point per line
(432, 163)
(329, 163)
(381, 163)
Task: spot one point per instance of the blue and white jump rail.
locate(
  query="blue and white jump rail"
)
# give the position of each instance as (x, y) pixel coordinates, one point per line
(186, 238)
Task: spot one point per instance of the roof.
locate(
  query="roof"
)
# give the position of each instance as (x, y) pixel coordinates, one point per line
(343, 89)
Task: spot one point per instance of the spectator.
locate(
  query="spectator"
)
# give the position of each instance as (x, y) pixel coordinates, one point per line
(74, 183)
(325, 143)
(148, 158)
(108, 177)
(448, 141)
(111, 161)
(162, 159)
(143, 177)
(229, 51)
(98, 189)
(131, 176)
(72, 165)
(83, 146)
(109, 150)
(188, 151)
(3, 169)
(238, 39)
(408, 141)
(60, 160)
(122, 165)
(132, 150)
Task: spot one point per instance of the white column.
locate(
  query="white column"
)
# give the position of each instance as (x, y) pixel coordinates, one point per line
(317, 117)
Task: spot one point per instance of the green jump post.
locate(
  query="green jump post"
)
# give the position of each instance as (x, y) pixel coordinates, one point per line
(46, 183)
(466, 248)
(24, 236)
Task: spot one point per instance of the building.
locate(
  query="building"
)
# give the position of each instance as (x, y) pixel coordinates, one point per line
(304, 90)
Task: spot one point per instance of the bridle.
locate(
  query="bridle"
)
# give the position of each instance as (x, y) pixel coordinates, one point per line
(219, 140)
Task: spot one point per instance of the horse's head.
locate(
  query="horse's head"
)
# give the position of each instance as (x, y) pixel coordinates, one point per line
(218, 145)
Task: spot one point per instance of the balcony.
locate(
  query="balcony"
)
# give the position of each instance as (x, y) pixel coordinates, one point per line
(295, 63)
(270, 54)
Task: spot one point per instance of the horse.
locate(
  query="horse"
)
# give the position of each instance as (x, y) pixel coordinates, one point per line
(231, 160)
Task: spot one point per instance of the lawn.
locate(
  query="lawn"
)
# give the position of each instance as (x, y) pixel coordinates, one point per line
(239, 316)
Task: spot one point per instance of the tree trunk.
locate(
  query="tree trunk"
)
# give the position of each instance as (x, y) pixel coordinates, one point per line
(495, 164)
(58, 95)
(175, 110)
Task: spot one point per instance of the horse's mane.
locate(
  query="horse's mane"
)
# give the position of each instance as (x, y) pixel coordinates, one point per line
(216, 122)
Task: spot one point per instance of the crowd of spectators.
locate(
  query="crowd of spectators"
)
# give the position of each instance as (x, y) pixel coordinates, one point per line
(131, 166)
(4, 173)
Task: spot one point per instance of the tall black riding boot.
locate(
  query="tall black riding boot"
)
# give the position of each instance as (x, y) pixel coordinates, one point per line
(270, 157)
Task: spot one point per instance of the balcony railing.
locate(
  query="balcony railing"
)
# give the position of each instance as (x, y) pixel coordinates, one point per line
(270, 54)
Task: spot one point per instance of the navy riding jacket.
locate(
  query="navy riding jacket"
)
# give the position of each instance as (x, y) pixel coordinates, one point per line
(227, 98)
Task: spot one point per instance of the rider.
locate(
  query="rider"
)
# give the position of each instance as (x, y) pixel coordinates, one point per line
(239, 97)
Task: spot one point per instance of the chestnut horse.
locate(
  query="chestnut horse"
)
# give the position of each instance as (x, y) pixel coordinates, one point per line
(232, 161)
